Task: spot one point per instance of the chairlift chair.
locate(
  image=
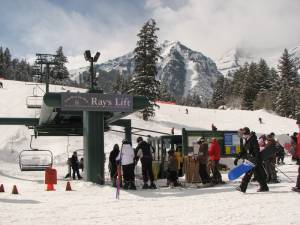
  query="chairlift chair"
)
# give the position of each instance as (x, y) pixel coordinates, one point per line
(34, 159)
(34, 101)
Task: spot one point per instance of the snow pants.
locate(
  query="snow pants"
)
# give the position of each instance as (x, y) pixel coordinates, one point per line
(217, 178)
(203, 173)
(260, 175)
(147, 170)
(298, 178)
(128, 173)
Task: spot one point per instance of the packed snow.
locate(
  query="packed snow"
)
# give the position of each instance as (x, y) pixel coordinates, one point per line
(90, 203)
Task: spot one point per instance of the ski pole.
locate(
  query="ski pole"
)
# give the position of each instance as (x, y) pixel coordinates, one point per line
(284, 174)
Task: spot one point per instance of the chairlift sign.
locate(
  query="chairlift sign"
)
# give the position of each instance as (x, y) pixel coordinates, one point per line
(96, 102)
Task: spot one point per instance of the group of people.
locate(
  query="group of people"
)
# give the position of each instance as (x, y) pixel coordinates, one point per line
(127, 158)
(75, 165)
(263, 152)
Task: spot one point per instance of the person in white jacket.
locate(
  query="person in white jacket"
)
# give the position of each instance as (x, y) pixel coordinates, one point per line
(126, 159)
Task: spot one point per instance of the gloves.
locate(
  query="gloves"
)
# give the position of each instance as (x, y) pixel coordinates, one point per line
(235, 162)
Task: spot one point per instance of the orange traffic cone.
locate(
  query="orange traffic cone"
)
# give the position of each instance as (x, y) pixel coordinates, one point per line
(2, 188)
(15, 190)
(50, 187)
(68, 187)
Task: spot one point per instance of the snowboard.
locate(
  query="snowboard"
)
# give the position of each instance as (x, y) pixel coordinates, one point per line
(239, 170)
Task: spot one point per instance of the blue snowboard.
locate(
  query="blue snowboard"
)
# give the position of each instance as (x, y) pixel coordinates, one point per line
(239, 170)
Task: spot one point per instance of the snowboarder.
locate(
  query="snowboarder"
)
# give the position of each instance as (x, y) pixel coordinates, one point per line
(297, 187)
(112, 165)
(143, 152)
(214, 154)
(126, 158)
(75, 166)
(203, 159)
(252, 153)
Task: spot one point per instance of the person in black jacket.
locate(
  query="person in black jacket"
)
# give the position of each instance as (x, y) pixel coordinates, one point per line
(75, 165)
(143, 152)
(252, 153)
(112, 166)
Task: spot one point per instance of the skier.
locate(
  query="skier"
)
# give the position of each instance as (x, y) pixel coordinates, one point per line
(213, 127)
(203, 159)
(75, 166)
(270, 162)
(143, 152)
(126, 158)
(186, 111)
(1, 84)
(297, 187)
(172, 131)
(252, 153)
(214, 154)
(260, 120)
(112, 166)
(293, 149)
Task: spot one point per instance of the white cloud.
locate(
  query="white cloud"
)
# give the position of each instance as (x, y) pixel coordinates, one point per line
(214, 26)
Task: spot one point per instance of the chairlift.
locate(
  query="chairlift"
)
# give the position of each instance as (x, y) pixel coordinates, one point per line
(35, 159)
(34, 101)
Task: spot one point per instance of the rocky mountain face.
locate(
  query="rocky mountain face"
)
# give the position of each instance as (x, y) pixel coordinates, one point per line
(184, 71)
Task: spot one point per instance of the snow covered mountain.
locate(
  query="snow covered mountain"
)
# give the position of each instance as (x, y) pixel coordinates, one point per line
(232, 60)
(183, 70)
(236, 57)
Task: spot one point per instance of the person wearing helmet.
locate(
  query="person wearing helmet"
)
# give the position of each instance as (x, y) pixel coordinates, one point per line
(143, 152)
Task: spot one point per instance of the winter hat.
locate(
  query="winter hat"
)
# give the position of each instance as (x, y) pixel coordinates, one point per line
(263, 137)
(246, 130)
(139, 139)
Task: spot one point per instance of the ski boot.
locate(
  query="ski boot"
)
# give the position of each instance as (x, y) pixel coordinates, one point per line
(238, 188)
(132, 186)
(152, 186)
(145, 186)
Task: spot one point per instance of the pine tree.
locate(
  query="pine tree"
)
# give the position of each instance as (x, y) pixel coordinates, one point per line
(2, 66)
(146, 54)
(218, 97)
(284, 101)
(263, 75)
(250, 88)
(289, 83)
(60, 71)
(287, 69)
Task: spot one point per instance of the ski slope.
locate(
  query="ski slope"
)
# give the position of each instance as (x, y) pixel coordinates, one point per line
(93, 204)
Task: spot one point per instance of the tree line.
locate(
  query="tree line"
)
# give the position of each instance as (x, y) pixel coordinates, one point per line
(16, 69)
(256, 85)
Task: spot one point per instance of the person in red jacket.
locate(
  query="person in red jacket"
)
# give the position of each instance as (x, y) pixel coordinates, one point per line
(297, 187)
(214, 155)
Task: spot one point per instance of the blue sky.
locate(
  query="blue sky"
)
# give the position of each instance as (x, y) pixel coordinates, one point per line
(111, 26)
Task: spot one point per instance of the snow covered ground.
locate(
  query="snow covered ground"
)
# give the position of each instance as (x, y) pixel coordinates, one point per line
(94, 204)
